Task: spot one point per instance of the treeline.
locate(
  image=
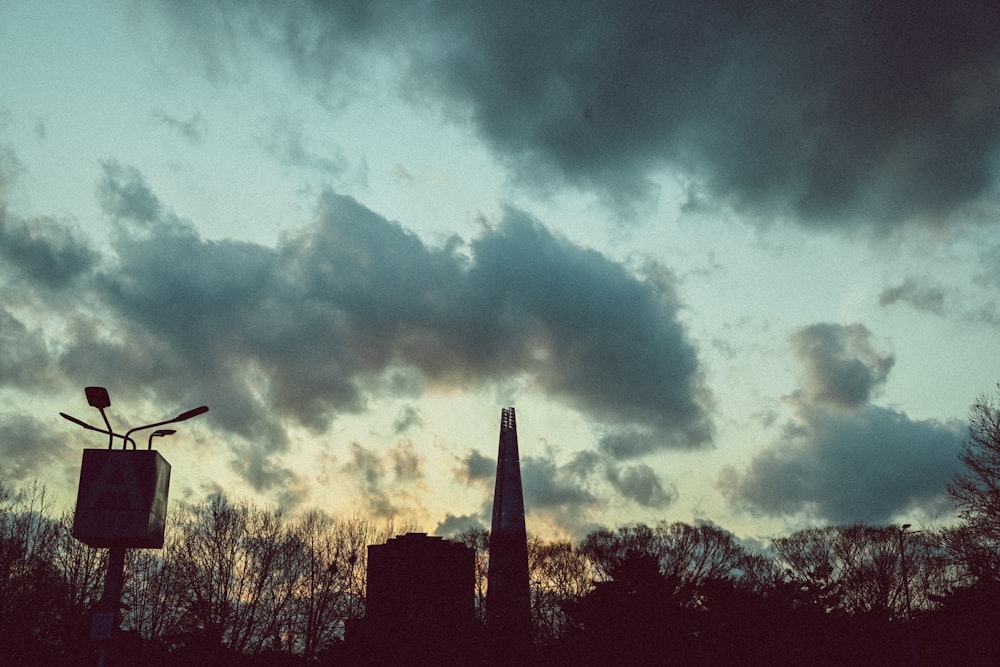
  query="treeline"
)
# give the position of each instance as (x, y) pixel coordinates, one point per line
(239, 584)
(233, 579)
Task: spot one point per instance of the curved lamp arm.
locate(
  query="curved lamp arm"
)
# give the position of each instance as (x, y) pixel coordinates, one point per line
(179, 418)
(80, 422)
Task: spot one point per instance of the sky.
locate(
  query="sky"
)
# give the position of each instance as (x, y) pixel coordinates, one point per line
(730, 262)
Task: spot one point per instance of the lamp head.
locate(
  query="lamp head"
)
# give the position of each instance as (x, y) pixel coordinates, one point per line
(98, 397)
(191, 413)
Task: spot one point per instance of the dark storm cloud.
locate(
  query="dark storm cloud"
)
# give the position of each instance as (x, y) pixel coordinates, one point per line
(25, 361)
(640, 483)
(528, 303)
(563, 494)
(42, 251)
(29, 446)
(628, 443)
(866, 465)
(929, 298)
(883, 112)
(842, 458)
(308, 330)
(990, 273)
(257, 466)
(588, 330)
(840, 362)
(475, 467)
(123, 193)
(551, 488)
(547, 487)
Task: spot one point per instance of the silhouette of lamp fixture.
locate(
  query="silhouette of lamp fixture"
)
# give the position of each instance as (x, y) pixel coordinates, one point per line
(98, 398)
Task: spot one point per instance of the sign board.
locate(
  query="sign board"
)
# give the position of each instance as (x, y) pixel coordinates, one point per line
(101, 625)
(122, 498)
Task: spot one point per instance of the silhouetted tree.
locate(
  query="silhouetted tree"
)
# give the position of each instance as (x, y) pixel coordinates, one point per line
(976, 490)
(558, 575)
(34, 609)
(478, 539)
(857, 569)
(330, 584)
(686, 555)
(81, 567)
(154, 593)
(694, 555)
(631, 617)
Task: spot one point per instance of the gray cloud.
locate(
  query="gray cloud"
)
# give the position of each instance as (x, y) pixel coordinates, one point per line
(609, 343)
(547, 487)
(24, 357)
(475, 467)
(192, 129)
(990, 274)
(368, 470)
(382, 491)
(255, 464)
(929, 298)
(10, 165)
(855, 112)
(352, 302)
(407, 465)
(287, 144)
(29, 446)
(452, 524)
(566, 493)
(409, 417)
(571, 489)
(866, 465)
(628, 443)
(640, 483)
(843, 459)
(124, 193)
(840, 362)
(44, 252)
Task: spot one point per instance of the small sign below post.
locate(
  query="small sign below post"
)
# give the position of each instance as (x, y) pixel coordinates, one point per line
(101, 625)
(122, 498)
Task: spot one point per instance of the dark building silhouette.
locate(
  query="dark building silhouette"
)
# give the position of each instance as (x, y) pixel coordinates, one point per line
(508, 606)
(419, 606)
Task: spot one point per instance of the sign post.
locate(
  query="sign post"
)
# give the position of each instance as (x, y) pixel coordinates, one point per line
(121, 504)
(122, 499)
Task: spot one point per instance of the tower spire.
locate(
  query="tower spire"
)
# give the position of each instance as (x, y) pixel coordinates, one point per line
(508, 610)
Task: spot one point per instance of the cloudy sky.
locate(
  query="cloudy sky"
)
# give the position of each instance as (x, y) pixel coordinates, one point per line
(730, 262)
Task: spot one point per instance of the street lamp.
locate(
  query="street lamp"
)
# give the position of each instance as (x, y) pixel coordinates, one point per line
(160, 432)
(100, 405)
(121, 504)
(98, 398)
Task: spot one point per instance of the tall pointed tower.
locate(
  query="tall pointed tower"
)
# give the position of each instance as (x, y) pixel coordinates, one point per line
(508, 606)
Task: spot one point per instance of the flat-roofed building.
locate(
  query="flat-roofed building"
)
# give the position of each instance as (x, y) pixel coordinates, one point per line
(419, 602)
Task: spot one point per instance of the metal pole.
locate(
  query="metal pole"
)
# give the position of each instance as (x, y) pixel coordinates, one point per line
(906, 593)
(112, 601)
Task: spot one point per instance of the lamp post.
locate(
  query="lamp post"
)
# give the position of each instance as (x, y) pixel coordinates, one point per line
(121, 504)
(906, 591)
